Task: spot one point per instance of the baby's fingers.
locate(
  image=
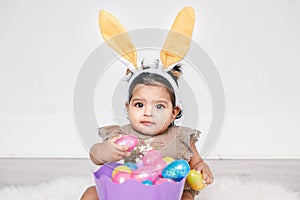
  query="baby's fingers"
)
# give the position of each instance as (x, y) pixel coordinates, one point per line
(122, 155)
(118, 155)
(207, 178)
(122, 148)
(115, 138)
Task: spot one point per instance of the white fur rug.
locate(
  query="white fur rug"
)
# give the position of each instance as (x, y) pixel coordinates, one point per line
(224, 188)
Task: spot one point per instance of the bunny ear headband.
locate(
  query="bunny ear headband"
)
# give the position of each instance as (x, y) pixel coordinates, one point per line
(174, 49)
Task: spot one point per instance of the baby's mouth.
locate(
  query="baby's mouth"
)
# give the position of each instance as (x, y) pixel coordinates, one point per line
(147, 123)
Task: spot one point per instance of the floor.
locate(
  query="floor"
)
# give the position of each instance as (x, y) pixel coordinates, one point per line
(34, 171)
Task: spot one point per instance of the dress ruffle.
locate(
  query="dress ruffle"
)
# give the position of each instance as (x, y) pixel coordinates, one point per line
(185, 136)
(107, 132)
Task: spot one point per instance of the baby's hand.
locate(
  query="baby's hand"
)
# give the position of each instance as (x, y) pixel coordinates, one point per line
(109, 151)
(203, 168)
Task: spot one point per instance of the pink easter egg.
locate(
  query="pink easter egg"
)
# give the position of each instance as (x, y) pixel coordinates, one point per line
(159, 165)
(163, 180)
(140, 164)
(120, 177)
(128, 140)
(145, 173)
(151, 157)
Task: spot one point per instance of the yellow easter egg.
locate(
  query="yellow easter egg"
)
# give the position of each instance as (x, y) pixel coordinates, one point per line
(195, 180)
(121, 168)
(168, 160)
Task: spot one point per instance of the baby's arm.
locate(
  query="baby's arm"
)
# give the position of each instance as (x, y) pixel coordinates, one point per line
(198, 164)
(108, 151)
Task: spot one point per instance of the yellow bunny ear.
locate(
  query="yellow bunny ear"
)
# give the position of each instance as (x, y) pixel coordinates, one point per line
(179, 37)
(117, 37)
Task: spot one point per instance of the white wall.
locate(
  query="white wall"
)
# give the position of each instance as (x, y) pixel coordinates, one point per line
(255, 46)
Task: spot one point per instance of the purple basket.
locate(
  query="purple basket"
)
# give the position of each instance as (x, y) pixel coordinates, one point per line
(133, 190)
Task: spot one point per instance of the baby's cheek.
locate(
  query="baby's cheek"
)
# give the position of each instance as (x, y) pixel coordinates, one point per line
(163, 116)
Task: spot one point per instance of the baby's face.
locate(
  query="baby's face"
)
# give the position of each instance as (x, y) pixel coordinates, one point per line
(150, 109)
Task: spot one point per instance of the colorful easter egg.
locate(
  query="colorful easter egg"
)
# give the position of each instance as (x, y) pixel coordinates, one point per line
(176, 170)
(140, 164)
(128, 140)
(159, 165)
(164, 180)
(147, 182)
(120, 177)
(131, 165)
(168, 159)
(151, 157)
(195, 180)
(145, 173)
(121, 168)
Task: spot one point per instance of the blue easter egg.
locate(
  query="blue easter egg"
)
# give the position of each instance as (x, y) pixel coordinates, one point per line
(147, 182)
(131, 165)
(176, 170)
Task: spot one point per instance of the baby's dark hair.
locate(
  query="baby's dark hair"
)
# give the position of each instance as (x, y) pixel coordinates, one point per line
(152, 79)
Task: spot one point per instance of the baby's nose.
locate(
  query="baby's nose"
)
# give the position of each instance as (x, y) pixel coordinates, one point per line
(148, 111)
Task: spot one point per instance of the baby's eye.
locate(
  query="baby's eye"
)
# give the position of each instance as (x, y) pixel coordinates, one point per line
(139, 105)
(159, 106)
